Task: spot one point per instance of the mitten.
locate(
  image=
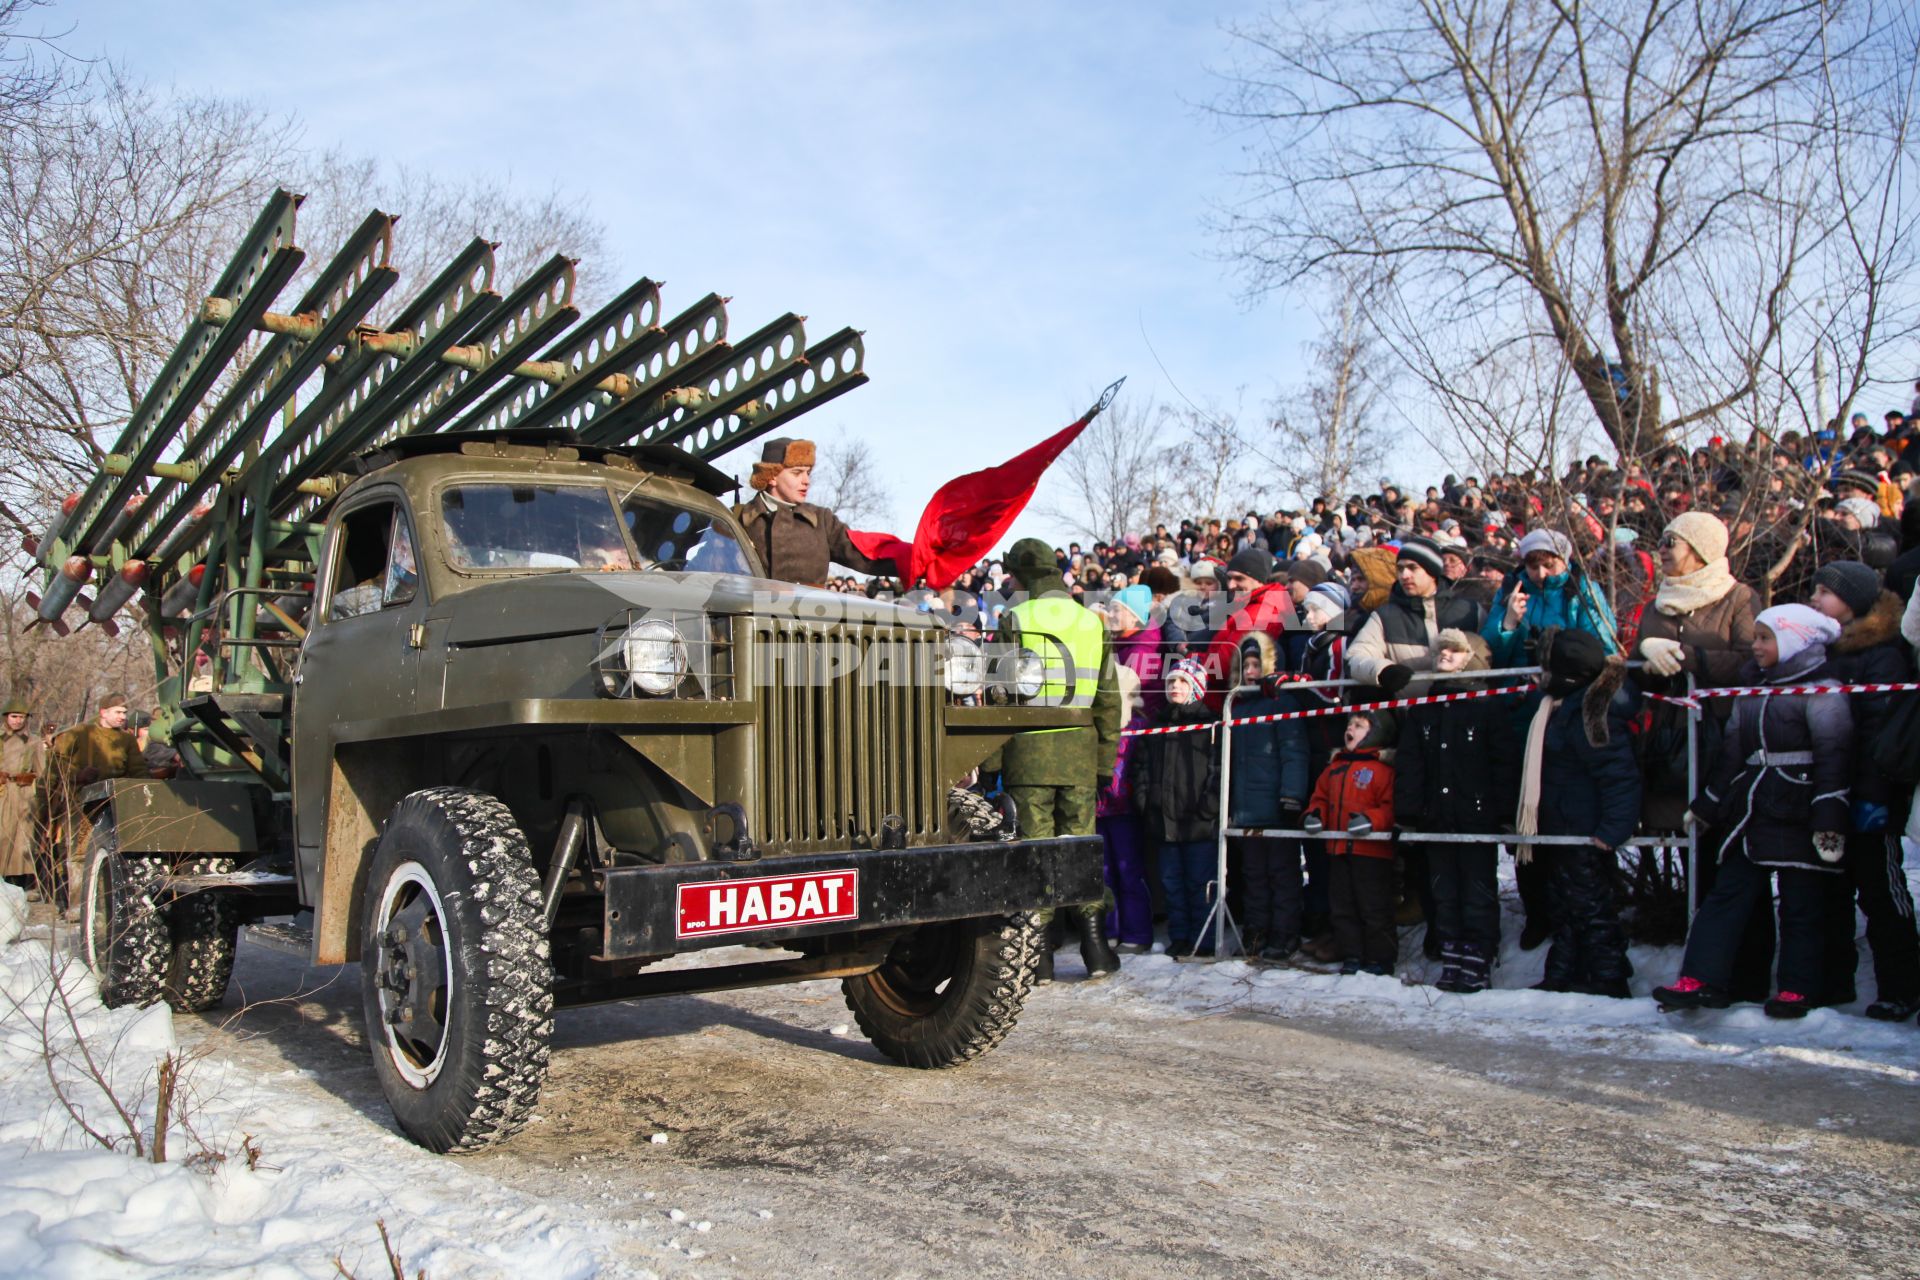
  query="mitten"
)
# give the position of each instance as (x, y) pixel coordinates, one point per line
(1869, 816)
(1312, 822)
(1664, 657)
(1393, 677)
(1361, 825)
(1830, 845)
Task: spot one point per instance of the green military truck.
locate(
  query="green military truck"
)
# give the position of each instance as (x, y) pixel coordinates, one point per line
(475, 682)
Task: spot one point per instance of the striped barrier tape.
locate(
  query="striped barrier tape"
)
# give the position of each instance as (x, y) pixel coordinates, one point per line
(1427, 700)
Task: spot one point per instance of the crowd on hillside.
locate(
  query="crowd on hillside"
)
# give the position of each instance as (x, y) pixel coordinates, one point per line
(1787, 564)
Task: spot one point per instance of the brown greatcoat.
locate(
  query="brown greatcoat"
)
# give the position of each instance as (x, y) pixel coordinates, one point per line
(1719, 640)
(22, 760)
(796, 541)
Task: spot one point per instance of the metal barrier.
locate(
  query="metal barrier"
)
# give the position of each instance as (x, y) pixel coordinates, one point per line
(1220, 919)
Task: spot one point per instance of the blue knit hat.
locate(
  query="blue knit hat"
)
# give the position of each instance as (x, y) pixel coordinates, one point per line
(1138, 599)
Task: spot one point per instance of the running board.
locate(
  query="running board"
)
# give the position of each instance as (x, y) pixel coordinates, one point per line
(237, 881)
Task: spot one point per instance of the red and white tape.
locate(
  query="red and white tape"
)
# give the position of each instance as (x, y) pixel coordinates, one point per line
(1427, 700)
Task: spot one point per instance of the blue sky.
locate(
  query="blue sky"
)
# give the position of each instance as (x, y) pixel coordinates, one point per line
(1009, 198)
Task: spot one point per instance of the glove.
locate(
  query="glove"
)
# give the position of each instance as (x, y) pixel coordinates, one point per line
(1830, 845)
(1869, 816)
(1393, 677)
(1270, 685)
(1312, 822)
(1664, 657)
(1689, 820)
(1361, 825)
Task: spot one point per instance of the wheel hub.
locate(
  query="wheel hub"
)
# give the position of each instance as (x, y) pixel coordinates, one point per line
(413, 974)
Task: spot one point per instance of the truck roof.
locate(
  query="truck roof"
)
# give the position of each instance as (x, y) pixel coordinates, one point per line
(663, 459)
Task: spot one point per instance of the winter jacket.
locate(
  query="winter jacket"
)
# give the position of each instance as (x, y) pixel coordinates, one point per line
(1356, 782)
(1783, 769)
(1177, 785)
(1268, 610)
(1719, 642)
(1871, 650)
(1589, 784)
(795, 541)
(1145, 652)
(1457, 766)
(1116, 798)
(1405, 631)
(1269, 760)
(1570, 602)
(1325, 658)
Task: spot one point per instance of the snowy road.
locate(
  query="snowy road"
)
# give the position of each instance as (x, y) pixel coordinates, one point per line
(1123, 1133)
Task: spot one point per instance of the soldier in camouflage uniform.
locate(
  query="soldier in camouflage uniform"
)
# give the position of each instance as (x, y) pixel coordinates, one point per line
(1054, 775)
(80, 757)
(22, 760)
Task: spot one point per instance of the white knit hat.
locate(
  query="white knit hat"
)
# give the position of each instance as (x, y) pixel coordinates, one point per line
(1797, 628)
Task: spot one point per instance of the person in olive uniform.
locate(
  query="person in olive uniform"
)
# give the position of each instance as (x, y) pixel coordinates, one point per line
(22, 760)
(80, 757)
(794, 539)
(1054, 775)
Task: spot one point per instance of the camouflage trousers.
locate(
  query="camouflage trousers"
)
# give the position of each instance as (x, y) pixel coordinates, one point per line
(1046, 812)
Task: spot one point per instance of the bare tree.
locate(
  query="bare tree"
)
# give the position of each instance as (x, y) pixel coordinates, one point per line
(1115, 478)
(1215, 467)
(846, 480)
(1645, 186)
(1327, 432)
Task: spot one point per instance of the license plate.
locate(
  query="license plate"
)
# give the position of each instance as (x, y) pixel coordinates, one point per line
(767, 902)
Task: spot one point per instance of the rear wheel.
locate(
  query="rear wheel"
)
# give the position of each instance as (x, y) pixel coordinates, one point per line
(948, 992)
(123, 931)
(204, 931)
(455, 976)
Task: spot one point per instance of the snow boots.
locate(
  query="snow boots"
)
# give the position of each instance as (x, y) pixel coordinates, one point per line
(1464, 968)
(1097, 953)
(1691, 993)
(1788, 1004)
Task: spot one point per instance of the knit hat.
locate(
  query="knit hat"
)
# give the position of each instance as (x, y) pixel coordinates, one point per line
(1574, 658)
(1160, 580)
(1168, 557)
(1193, 671)
(1865, 481)
(1137, 600)
(1797, 628)
(1864, 510)
(1205, 568)
(779, 454)
(1479, 655)
(1309, 572)
(1329, 597)
(1548, 540)
(1855, 583)
(1255, 562)
(1706, 534)
(1424, 552)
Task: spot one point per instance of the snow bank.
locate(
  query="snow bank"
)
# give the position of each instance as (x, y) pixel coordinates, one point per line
(69, 1207)
(1839, 1038)
(13, 912)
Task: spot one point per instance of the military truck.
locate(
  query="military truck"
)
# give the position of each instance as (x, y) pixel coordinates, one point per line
(475, 681)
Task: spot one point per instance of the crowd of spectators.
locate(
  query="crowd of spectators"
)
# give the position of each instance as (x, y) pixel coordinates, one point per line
(1787, 562)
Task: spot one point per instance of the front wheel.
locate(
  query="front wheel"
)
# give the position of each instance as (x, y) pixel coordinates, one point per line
(455, 977)
(204, 933)
(123, 930)
(948, 992)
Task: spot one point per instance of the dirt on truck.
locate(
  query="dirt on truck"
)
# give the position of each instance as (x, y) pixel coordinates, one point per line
(475, 682)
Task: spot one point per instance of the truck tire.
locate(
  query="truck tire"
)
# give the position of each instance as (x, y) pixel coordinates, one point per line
(948, 992)
(204, 932)
(123, 933)
(455, 977)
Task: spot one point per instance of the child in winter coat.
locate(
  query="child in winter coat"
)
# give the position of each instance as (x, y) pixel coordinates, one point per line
(1177, 789)
(1131, 920)
(1456, 770)
(1779, 795)
(1270, 784)
(1355, 794)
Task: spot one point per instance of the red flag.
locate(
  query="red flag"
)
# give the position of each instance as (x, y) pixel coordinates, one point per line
(968, 514)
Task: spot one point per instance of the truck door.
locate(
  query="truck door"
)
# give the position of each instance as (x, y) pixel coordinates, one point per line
(361, 660)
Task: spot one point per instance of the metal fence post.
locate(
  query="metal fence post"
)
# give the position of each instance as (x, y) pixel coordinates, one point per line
(1693, 789)
(1218, 912)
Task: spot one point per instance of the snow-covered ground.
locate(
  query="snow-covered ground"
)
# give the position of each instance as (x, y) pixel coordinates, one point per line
(324, 1176)
(327, 1171)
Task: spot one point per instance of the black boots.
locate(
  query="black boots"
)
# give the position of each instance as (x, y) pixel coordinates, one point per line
(1095, 951)
(1465, 968)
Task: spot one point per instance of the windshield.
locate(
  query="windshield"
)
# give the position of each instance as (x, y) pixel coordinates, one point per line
(671, 537)
(532, 526)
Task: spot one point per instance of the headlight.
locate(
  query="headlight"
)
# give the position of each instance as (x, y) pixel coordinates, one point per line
(966, 667)
(655, 655)
(1029, 674)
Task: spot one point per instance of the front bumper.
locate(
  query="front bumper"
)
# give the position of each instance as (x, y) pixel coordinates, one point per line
(648, 914)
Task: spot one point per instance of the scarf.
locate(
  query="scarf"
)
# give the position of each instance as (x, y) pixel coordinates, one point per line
(1691, 591)
(1527, 821)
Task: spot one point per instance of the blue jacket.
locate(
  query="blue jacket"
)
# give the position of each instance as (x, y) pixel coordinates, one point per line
(1569, 601)
(1270, 762)
(1589, 782)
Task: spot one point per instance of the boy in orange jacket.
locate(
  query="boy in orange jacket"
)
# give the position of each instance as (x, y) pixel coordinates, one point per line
(1355, 794)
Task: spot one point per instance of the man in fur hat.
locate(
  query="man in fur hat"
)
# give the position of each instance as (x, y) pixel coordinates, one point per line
(796, 540)
(22, 760)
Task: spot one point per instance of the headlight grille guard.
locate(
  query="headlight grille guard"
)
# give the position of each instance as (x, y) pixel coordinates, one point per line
(705, 640)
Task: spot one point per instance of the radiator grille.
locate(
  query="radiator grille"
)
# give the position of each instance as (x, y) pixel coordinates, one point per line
(849, 733)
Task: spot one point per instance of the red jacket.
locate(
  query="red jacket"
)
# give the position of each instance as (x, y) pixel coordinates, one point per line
(1356, 782)
(1269, 609)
